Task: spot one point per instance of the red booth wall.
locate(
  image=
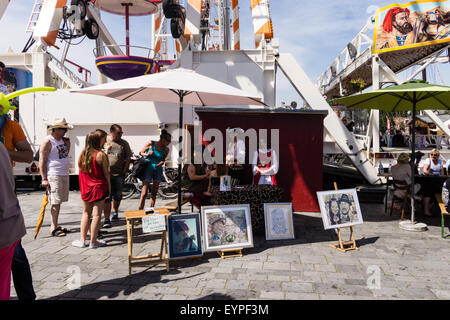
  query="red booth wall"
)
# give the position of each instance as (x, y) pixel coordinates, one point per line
(301, 149)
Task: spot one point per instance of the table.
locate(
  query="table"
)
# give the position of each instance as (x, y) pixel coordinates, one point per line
(255, 195)
(389, 179)
(418, 178)
(151, 259)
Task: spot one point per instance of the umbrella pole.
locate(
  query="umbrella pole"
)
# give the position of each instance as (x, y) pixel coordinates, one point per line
(412, 225)
(180, 153)
(413, 158)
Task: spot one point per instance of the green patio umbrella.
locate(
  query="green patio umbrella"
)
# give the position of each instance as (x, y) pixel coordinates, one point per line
(409, 96)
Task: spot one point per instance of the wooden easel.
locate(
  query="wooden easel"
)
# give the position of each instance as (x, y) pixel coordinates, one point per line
(341, 246)
(237, 251)
(151, 259)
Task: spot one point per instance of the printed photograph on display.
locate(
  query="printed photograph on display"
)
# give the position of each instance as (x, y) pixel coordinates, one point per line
(339, 208)
(227, 227)
(225, 183)
(279, 221)
(184, 233)
(414, 24)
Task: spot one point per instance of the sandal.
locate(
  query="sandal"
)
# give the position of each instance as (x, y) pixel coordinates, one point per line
(65, 230)
(58, 232)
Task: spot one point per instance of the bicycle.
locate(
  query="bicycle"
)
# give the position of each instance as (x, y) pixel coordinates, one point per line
(168, 188)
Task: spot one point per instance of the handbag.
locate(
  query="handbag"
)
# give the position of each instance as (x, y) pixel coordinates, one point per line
(139, 167)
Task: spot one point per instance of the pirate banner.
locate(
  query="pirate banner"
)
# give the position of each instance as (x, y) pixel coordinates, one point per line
(414, 24)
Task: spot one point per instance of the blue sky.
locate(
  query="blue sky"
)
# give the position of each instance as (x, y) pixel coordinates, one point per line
(315, 32)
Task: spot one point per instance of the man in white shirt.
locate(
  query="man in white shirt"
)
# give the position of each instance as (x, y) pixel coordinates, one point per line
(54, 163)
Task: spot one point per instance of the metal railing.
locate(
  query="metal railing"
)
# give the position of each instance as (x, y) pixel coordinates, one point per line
(422, 141)
(137, 51)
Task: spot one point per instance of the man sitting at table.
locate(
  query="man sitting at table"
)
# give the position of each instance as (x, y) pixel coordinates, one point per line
(433, 166)
(402, 172)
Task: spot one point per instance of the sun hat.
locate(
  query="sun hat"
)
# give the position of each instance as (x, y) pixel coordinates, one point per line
(60, 123)
(403, 157)
(216, 217)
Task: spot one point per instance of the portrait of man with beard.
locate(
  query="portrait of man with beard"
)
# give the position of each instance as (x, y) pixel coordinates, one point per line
(398, 30)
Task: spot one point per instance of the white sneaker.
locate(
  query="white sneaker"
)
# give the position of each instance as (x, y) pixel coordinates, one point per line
(79, 244)
(99, 243)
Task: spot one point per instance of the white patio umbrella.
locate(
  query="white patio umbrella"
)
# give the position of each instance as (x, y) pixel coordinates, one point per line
(181, 86)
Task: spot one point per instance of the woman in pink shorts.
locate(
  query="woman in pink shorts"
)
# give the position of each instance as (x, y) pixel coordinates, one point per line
(12, 226)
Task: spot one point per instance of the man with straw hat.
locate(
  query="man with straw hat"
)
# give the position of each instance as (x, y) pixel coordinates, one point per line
(54, 165)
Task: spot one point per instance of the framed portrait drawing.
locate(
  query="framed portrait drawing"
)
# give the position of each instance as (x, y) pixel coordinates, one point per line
(279, 221)
(227, 227)
(225, 183)
(339, 208)
(184, 233)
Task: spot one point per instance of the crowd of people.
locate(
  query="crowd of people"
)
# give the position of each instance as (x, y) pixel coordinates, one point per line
(102, 165)
(426, 189)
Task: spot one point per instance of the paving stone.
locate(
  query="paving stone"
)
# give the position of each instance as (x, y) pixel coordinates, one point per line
(213, 283)
(418, 293)
(237, 284)
(335, 297)
(252, 276)
(272, 295)
(189, 291)
(265, 285)
(358, 282)
(173, 297)
(297, 287)
(276, 266)
(326, 288)
(324, 268)
(355, 290)
(275, 277)
(301, 296)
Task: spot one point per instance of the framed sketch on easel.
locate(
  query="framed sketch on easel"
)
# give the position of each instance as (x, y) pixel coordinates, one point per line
(339, 208)
(227, 227)
(278, 221)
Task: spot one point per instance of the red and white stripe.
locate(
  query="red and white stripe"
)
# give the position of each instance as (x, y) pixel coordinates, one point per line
(236, 35)
(193, 17)
(156, 30)
(50, 18)
(262, 22)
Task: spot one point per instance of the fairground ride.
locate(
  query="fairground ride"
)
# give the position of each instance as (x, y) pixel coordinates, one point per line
(206, 38)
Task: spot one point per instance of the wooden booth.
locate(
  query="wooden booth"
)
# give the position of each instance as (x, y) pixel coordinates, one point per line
(300, 147)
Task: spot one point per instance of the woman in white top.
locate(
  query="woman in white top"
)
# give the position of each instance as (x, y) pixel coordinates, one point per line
(265, 165)
(432, 166)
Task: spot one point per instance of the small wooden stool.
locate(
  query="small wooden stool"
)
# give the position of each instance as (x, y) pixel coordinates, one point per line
(443, 214)
(151, 259)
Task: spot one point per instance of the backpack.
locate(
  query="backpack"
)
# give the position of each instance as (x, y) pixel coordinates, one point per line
(139, 167)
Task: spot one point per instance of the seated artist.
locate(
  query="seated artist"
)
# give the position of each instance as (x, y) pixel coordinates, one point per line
(195, 181)
(402, 172)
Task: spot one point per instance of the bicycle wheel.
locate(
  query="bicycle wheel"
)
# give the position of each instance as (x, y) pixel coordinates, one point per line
(129, 186)
(128, 189)
(168, 191)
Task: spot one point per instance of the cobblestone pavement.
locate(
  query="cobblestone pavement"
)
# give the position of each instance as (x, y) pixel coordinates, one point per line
(408, 265)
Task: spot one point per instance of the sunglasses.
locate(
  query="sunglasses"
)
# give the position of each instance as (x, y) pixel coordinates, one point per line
(434, 155)
(63, 129)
